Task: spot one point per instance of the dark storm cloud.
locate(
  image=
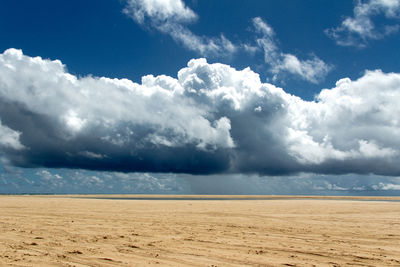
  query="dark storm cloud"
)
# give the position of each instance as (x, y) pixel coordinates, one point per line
(48, 148)
(210, 119)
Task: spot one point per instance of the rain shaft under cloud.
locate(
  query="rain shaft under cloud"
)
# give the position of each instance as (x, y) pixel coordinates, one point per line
(210, 119)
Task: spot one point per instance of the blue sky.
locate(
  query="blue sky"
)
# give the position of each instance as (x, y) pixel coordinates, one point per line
(222, 129)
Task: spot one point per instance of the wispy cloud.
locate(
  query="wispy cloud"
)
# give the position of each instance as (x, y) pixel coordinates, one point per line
(312, 70)
(171, 17)
(359, 29)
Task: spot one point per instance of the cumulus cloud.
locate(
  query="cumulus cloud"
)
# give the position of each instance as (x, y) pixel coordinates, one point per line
(171, 17)
(386, 186)
(312, 70)
(50, 180)
(212, 118)
(357, 30)
(71, 181)
(95, 119)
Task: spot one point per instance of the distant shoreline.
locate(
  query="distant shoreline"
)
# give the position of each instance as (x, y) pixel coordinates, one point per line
(209, 197)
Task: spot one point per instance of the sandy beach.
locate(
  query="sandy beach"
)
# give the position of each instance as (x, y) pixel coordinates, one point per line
(68, 231)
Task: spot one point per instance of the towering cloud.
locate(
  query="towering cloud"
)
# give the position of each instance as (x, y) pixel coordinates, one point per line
(210, 119)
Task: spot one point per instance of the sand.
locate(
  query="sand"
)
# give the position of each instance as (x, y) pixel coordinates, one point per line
(65, 231)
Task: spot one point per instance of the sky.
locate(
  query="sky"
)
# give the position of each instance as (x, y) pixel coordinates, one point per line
(200, 97)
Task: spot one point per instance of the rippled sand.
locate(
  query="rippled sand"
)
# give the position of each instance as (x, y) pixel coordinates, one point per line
(61, 231)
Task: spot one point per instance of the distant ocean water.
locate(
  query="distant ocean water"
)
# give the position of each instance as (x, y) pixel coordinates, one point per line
(239, 198)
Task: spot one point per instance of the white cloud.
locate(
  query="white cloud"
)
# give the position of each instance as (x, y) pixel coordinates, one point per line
(386, 186)
(353, 120)
(211, 118)
(159, 11)
(312, 70)
(51, 180)
(170, 17)
(357, 30)
(9, 138)
(44, 87)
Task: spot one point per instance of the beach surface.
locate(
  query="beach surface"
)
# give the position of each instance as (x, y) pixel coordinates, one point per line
(276, 231)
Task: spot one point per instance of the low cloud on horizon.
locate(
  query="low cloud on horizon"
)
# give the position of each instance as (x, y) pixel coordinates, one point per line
(211, 119)
(71, 181)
